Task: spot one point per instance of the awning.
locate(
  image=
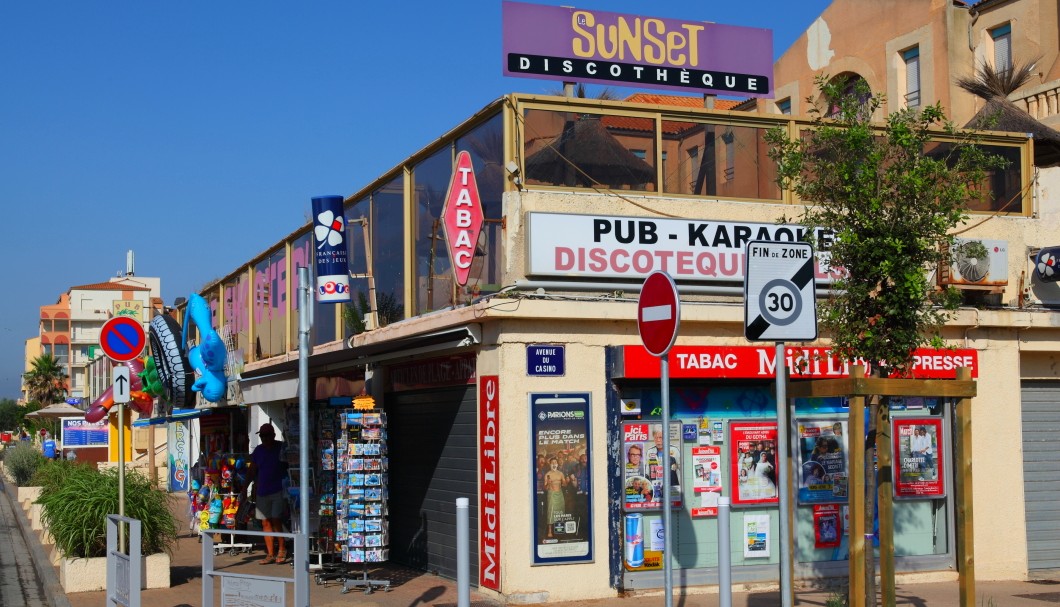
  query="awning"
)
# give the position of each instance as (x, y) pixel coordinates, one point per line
(266, 388)
(448, 339)
(177, 415)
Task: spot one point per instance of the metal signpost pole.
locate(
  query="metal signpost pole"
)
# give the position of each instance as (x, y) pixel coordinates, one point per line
(787, 591)
(121, 475)
(664, 461)
(658, 321)
(780, 304)
(301, 570)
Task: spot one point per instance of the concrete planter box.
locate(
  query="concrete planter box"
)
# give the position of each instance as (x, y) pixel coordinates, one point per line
(28, 495)
(90, 575)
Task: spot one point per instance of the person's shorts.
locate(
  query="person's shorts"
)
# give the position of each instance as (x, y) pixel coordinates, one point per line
(269, 506)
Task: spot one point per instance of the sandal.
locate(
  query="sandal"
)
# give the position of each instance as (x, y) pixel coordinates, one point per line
(269, 559)
(283, 559)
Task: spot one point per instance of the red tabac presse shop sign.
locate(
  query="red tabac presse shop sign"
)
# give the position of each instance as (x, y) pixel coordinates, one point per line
(462, 216)
(759, 362)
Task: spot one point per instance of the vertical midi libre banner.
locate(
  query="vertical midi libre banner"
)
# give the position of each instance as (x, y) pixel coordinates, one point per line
(330, 250)
(918, 458)
(559, 427)
(489, 516)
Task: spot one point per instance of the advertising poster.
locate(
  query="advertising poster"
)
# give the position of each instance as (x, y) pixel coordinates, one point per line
(646, 470)
(178, 438)
(827, 526)
(756, 536)
(76, 432)
(753, 448)
(918, 458)
(822, 452)
(560, 430)
(706, 480)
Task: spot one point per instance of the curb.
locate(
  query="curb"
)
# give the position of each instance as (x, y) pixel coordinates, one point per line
(45, 571)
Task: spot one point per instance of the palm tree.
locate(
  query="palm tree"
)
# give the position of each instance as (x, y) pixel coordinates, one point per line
(988, 82)
(46, 380)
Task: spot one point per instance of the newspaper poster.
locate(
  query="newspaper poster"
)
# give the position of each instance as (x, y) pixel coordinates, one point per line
(822, 452)
(706, 480)
(827, 525)
(918, 458)
(753, 447)
(646, 470)
(560, 430)
(756, 536)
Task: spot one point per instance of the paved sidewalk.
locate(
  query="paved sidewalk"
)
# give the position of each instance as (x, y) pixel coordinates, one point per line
(412, 588)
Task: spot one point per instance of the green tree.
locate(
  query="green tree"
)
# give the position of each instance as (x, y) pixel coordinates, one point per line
(46, 380)
(11, 414)
(891, 197)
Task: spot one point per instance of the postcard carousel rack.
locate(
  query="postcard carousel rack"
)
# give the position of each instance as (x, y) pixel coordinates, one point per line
(361, 529)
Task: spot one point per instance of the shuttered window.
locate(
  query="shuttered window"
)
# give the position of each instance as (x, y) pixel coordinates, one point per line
(912, 76)
(1002, 37)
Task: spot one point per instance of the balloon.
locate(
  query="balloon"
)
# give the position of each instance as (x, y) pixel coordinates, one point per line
(142, 402)
(209, 357)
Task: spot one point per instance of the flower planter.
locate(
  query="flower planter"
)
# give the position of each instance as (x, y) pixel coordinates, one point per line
(90, 575)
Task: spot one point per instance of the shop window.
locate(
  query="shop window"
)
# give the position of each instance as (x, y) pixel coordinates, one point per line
(911, 58)
(433, 280)
(1002, 39)
(485, 144)
(1001, 191)
(730, 155)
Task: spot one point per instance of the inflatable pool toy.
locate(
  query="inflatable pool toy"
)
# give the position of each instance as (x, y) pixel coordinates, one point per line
(208, 358)
(139, 400)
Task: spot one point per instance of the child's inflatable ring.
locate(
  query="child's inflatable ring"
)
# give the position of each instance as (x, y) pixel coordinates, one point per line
(174, 371)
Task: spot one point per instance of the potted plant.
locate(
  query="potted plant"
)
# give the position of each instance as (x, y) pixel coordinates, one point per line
(75, 501)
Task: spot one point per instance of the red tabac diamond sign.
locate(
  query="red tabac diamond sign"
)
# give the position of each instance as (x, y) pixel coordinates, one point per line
(463, 217)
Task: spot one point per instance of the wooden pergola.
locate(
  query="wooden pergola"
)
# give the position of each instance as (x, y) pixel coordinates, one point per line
(857, 387)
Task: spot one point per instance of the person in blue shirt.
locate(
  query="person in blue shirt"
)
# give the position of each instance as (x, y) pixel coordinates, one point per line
(48, 447)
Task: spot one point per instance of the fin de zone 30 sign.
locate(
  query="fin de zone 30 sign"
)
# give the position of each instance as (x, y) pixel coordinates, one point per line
(462, 216)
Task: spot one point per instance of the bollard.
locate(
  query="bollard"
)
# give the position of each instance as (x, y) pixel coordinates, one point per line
(724, 553)
(463, 582)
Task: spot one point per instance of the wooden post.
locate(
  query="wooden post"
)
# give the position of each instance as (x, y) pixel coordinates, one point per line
(856, 494)
(885, 499)
(965, 542)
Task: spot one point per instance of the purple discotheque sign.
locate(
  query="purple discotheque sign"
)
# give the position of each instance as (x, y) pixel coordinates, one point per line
(578, 45)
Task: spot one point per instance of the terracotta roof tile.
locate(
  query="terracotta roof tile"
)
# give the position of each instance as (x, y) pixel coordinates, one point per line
(111, 286)
(629, 123)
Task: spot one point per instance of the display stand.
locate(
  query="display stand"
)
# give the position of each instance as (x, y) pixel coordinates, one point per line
(362, 530)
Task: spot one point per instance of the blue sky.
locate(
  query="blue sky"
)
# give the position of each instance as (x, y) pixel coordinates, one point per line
(195, 133)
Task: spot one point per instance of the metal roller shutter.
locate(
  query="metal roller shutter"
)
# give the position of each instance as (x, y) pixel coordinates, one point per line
(433, 460)
(1041, 475)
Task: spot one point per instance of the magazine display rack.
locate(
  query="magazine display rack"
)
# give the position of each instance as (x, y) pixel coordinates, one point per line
(360, 533)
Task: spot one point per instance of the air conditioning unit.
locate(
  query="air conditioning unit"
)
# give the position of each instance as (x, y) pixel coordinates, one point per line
(974, 264)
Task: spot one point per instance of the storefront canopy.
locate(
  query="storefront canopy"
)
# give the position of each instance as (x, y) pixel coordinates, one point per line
(177, 415)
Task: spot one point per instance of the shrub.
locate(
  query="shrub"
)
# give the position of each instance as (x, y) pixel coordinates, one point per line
(75, 511)
(52, 473)
(21, 462)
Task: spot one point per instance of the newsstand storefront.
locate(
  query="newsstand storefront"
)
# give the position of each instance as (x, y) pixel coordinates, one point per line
(723, 441)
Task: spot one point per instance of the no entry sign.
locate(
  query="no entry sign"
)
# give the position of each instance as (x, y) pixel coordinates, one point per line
(658, 313)
(122, 338)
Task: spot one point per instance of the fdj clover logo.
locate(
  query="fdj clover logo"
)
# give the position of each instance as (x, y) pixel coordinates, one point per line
(329, 230)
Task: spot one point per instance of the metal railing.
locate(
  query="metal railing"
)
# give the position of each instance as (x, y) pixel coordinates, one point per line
(243, 584)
